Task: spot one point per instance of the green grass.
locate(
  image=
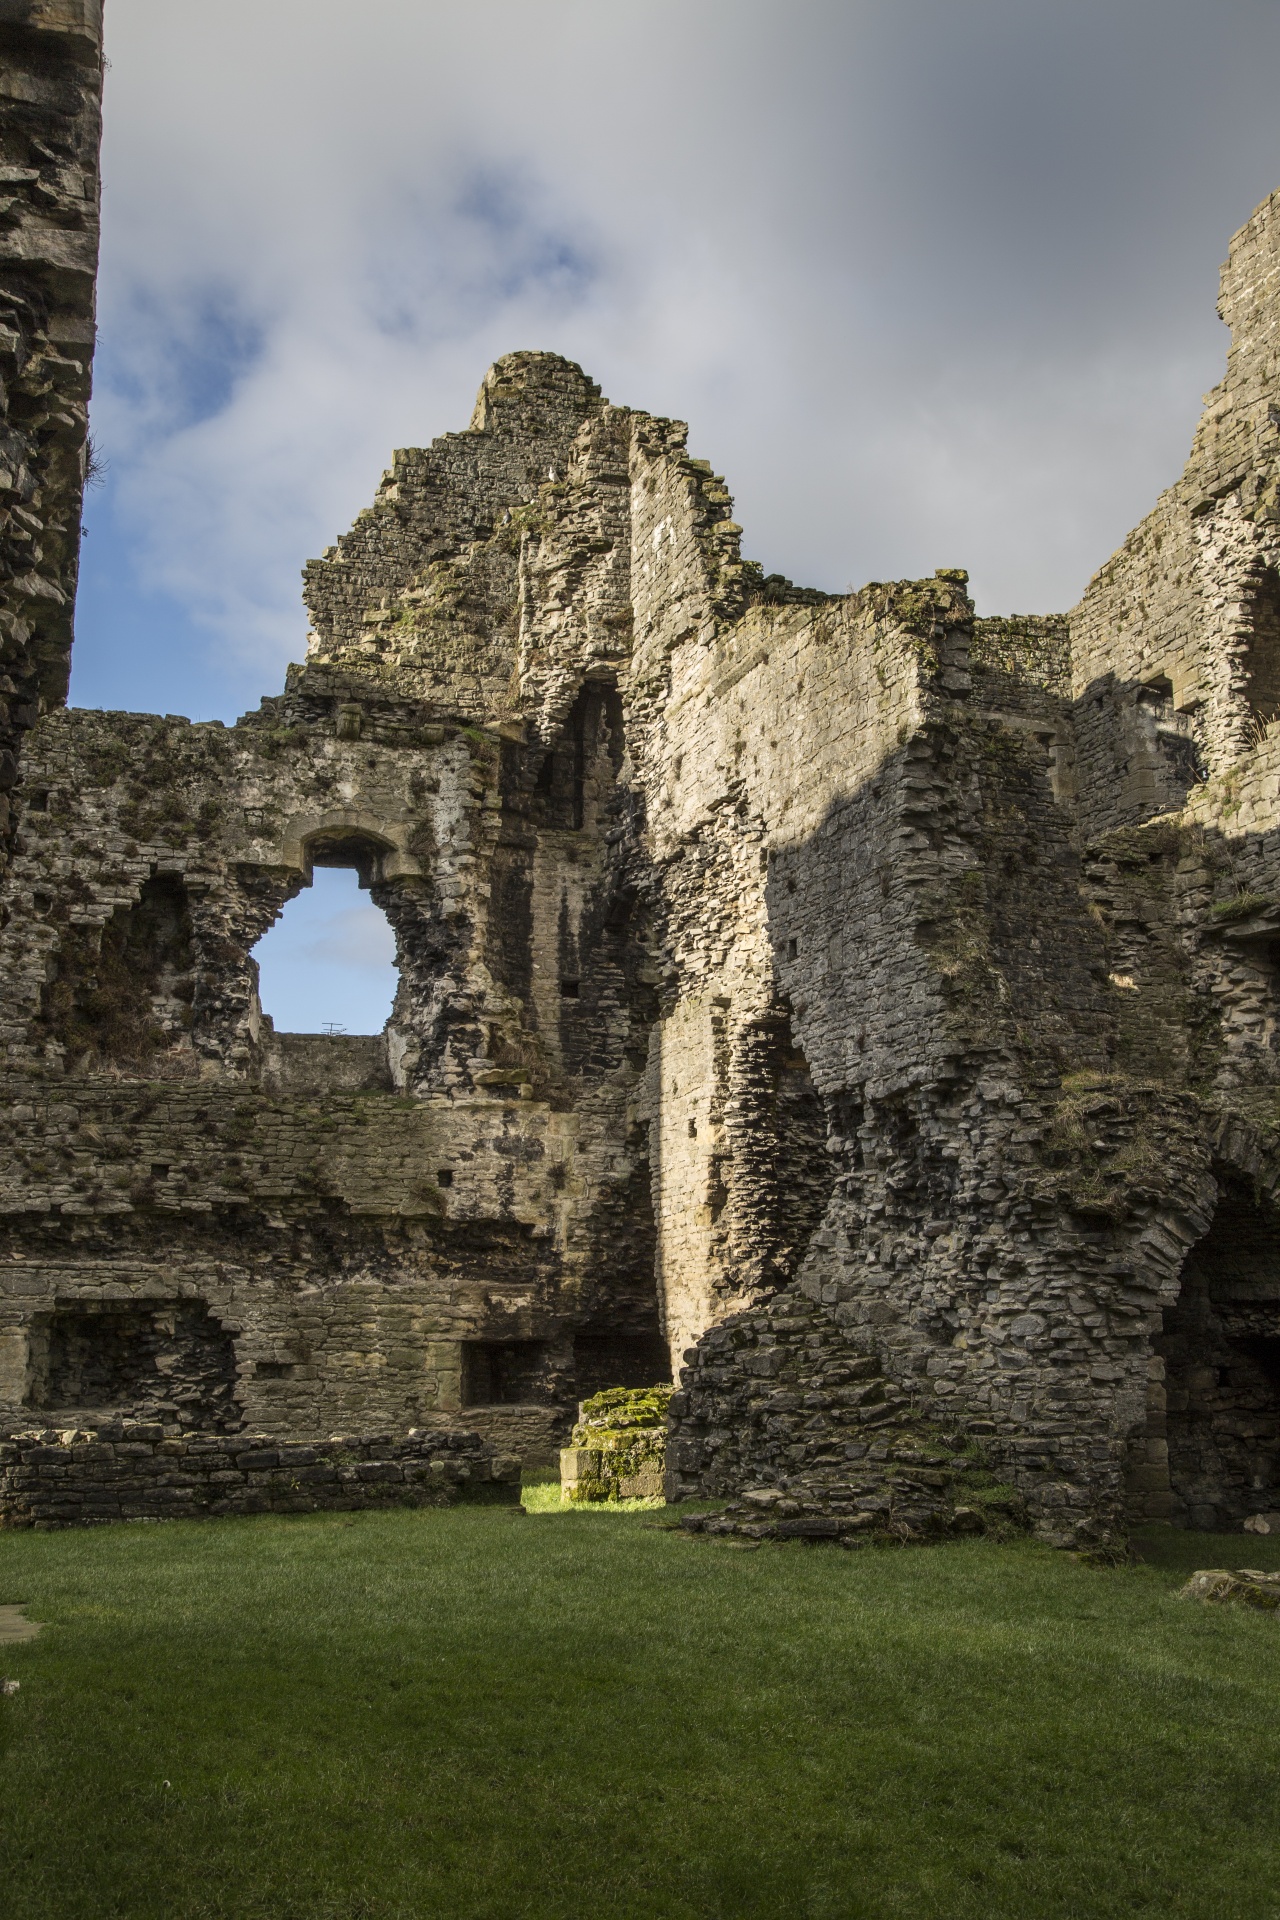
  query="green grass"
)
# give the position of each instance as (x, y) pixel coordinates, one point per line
(477, 1713)
(540, 1492)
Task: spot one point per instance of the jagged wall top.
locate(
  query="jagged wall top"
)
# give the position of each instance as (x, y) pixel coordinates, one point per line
(423, 587)
(1179, 609)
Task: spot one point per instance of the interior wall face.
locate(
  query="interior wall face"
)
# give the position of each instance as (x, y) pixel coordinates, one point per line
(781, 974)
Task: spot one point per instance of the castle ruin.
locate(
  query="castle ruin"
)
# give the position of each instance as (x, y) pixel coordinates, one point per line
(796, 991)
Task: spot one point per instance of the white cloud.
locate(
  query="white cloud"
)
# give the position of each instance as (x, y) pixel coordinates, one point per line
(932, 283)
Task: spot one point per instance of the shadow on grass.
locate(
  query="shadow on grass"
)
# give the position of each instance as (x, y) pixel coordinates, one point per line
(398, 1715)
(1175, 1550)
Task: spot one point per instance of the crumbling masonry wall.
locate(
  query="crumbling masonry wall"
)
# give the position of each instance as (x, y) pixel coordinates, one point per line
(867, 1005)
(50, 124)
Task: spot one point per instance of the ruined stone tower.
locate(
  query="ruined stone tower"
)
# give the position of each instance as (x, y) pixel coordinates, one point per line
(795, 990)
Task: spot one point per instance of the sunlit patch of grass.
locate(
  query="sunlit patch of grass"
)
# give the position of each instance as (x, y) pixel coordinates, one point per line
(540, 1493)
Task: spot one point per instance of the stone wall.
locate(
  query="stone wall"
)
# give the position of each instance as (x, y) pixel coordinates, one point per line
(50, 119)
(133, 1470)
(894, 988)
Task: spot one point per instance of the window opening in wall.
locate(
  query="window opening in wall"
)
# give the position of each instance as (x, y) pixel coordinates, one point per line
(503, 1372)
(1262, 658)
(329, 960)
(569, 989)
(124, 992)
(1170, 734)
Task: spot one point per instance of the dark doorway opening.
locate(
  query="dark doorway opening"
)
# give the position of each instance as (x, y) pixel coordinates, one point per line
(1262, 610)
(164, 1360)
(1220, 1347)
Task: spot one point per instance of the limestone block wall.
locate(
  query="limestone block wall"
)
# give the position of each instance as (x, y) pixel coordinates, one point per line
(358, 1215)
(896, 984)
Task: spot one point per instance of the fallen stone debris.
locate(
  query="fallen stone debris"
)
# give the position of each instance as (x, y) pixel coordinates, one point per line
(1243, 1587)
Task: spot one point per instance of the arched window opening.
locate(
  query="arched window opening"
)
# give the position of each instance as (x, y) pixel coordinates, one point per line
(328, 963)
(1220, 1356)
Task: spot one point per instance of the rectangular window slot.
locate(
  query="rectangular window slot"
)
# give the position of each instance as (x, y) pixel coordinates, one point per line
(499, 1373)
(568, 989)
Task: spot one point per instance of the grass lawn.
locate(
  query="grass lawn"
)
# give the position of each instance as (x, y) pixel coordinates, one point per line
(583, 1714)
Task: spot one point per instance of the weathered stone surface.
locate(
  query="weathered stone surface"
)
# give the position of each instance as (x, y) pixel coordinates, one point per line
(874, 1003)
(618, 1448)
(129, 1472)
(1243, 1586)
(50, 117)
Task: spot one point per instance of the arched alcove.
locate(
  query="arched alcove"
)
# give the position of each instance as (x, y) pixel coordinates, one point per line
(1220, 1349)
(328, 963)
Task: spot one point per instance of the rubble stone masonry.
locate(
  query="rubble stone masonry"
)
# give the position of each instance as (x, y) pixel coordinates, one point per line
(859, 1009)
(50, 124)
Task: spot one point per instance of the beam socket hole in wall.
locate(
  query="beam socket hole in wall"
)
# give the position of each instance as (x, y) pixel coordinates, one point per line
(569, 989)
(503, 1373)
(328, 963)
(38, 802)
(444, 1177)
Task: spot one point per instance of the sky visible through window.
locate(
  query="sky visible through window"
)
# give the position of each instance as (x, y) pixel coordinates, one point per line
(329, 960)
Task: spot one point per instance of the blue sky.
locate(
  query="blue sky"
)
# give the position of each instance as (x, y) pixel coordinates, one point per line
(329, 960)
(932, 281)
